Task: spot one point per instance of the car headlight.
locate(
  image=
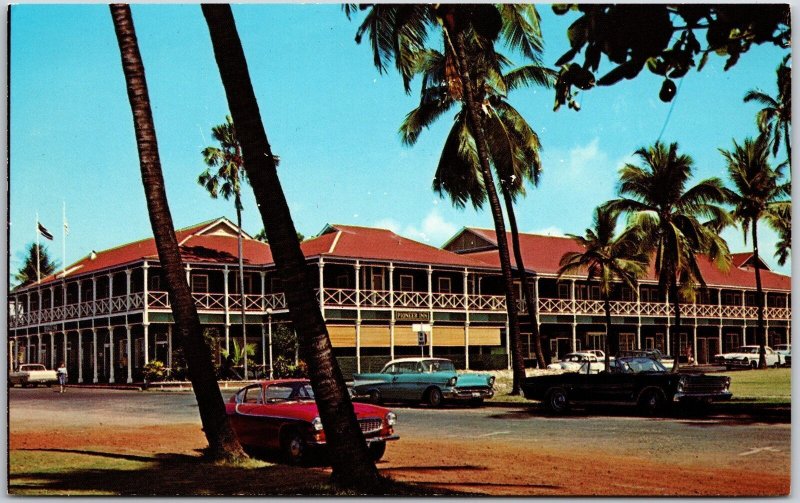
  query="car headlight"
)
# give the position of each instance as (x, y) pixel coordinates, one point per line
(491, 381)
(452, 381)
(727, 384)
(317, 424)
(391, 418)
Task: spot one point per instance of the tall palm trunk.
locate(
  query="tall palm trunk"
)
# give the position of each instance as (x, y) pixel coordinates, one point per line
(762, 336)
(222, 441)
(674, 329)
(607, 308)
(473, 118)
(350, 460)
(238, 203)
(531, 297)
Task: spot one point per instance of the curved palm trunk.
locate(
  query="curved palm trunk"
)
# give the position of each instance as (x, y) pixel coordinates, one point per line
(762, 336)
(788, 139)
(473, 117)
(241, 281)
(674, 329)
(531, 302)
(222, 441)
(350, 460)
(607, 308)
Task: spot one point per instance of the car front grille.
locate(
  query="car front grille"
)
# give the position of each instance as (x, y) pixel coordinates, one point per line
(370, 425)
(704, 386)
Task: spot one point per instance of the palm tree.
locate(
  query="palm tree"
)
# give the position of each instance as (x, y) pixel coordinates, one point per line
(759, 193)
(667, 214)
(469, 32)
(350, 459)
(28, 273)
(226, 180)
(780, 221)
(608, 259)
(223, 444)
(514, 146)
(775, 119)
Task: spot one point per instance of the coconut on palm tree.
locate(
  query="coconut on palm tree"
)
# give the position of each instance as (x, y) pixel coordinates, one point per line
(775, 119)
(222, 440)
(351, 462)
(223, 176)
(608, 260)
(759, 193)
(676, 222)
(469, 33)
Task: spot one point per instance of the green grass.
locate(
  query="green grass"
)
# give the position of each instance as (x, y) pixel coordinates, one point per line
(768, 386)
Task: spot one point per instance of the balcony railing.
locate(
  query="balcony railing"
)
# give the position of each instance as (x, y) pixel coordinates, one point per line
(366, 299)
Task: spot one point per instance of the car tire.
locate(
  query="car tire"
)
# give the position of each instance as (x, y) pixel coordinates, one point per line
(377, 450)
(433, 397)
(375, 397)
(652, 402)
(754, 364)
(293, 447)
(776, 365)
(556, 400)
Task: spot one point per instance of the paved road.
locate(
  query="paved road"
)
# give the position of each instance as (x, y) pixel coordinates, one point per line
(720, 441)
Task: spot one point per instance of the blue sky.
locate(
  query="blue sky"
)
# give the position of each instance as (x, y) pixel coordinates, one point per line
(331, 117)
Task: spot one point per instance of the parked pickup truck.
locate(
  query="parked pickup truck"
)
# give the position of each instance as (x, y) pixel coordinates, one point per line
(32, 374)
(637, 380)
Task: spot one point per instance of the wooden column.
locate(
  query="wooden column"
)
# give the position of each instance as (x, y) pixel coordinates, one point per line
(391, 311)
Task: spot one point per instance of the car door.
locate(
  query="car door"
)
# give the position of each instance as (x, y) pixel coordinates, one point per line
(406, 383)
(246, 419)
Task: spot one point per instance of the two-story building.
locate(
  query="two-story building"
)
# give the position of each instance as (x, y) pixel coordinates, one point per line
(108, 314)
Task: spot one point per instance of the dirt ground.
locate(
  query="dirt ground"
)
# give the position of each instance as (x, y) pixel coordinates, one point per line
(489, 466)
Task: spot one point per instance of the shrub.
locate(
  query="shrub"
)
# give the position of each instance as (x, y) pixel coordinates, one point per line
(154, 371)
(285, 367)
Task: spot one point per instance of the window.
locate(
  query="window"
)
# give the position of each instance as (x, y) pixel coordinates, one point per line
(563, 291)
(155, 283)
(275, 285)
(406, 282)
(248, 283)
(343, 281)
(377, 281)
(444, 285)
(750, 299)
(581, 292)
(200, 283)
(595, 292)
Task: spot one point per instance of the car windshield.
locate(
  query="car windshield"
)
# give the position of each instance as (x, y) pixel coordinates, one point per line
(289, 391)
(637, 365)
(749, 349)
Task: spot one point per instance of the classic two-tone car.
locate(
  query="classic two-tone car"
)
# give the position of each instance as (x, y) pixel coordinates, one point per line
(428, 380)
(785, 353)
(282, 415)
(634, 380)
(32, 374)
(571, 362)
(747, 356)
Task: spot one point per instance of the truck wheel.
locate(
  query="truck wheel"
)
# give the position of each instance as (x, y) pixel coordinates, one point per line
(293, 446)
(556, 400)
(376, 450)
(434, 397)
(652, 402)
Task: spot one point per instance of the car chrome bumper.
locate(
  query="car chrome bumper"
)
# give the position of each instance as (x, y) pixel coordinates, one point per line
(370, 440)
(726, 395)
(456, 394)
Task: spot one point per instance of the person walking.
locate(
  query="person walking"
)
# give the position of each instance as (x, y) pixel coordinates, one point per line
(62, 376)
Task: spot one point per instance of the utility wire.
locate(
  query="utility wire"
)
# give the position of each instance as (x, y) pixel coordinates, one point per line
(671, 107)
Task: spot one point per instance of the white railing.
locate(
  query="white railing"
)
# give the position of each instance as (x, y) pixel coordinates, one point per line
(383, 299)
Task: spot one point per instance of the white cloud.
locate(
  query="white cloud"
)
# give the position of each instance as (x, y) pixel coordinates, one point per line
(433, 229)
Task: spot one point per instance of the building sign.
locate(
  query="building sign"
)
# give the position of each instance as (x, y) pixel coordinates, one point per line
(412, 316)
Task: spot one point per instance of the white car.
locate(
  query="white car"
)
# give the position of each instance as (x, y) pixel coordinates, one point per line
(747, 356)
(785, 350)
(571, 362)
(32, 374)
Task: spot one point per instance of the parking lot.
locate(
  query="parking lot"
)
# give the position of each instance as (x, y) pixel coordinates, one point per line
(500, 450)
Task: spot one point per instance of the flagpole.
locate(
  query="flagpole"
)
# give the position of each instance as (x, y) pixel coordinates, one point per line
(38, 275)
(64, 240)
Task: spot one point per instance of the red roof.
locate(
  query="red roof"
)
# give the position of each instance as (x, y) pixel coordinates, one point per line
(213, 241)
(367, 243)
(542, 254)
